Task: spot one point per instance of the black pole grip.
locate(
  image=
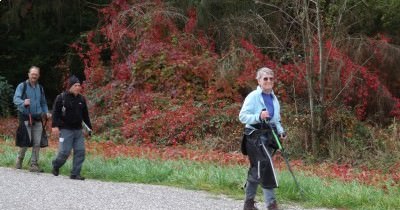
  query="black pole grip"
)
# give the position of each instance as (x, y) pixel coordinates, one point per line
(268, 118)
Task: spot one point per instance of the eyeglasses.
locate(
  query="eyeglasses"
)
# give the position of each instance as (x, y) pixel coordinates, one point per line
(268, 78)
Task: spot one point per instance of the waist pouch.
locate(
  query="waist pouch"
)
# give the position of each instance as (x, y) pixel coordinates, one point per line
(25, 117)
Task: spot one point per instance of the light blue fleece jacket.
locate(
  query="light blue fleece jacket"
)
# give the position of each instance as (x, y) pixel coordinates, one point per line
(38, 100)
(253, 105)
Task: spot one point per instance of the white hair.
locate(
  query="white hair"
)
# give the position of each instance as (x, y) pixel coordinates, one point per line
(34, 67)
(264, 71)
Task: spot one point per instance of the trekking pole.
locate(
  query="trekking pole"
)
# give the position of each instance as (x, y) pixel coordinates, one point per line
(30, 114)
(30, 123)
(45, 119)
(284, 155)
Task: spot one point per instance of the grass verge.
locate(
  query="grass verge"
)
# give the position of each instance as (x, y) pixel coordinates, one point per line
(217, 179)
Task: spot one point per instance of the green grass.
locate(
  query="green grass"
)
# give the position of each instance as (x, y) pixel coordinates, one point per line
(219, 179)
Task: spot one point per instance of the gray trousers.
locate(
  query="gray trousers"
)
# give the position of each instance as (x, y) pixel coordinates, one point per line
(35, 133)
(251, 191)
(70, 140)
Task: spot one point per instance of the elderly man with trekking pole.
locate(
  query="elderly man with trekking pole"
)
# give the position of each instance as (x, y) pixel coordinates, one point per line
(260, 107)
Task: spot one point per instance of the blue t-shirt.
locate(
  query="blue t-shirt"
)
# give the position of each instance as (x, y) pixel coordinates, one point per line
(268, 101)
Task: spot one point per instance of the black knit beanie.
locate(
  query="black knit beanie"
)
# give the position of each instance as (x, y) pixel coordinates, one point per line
(72, 80)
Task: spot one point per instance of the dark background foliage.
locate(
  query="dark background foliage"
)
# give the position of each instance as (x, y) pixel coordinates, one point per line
(38, 33)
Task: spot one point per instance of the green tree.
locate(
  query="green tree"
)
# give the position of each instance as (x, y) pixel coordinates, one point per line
(38, 33)
(6, 94)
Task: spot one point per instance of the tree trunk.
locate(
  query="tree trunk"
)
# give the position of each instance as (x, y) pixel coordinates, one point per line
(320, 114)
(309, 54)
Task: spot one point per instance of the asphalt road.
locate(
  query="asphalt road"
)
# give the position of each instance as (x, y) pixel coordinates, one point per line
(20, 190)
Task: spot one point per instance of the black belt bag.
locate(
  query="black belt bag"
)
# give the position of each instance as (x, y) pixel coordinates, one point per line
(265, 134)
(35, 117)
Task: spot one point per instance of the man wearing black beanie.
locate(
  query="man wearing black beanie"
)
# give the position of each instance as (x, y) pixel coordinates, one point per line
(69, 111)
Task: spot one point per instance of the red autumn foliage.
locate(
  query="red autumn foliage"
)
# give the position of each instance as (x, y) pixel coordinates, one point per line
(164, 77)
(158, 82)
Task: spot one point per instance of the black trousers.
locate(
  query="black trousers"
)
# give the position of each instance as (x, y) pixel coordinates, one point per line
(259, 147)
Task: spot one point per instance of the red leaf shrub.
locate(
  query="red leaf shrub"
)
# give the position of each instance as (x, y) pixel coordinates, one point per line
(163, 83)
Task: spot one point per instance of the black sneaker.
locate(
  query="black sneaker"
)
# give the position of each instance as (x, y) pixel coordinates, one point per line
(55, 171)
(77, 177)
(250, 205)
(35, 168)
(18, 163)
(273, 206)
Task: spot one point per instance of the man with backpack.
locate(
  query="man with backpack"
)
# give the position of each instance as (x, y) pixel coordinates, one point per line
(69, 111)
(32, 106)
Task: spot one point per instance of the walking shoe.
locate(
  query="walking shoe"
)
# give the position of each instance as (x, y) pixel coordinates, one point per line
(273, 206)
(250, 205)
(35, 168)
(18, 163)
(55, 171)
(77, 177)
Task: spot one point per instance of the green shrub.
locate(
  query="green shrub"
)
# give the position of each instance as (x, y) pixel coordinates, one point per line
(6, 94)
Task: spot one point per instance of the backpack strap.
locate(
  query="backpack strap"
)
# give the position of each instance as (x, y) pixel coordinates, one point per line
(62, 95)
(41, 90)
(82, 98)
(62, 98)
(63, 109)
(24, 90)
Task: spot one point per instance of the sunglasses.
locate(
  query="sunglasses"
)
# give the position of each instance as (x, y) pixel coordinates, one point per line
(268, 78)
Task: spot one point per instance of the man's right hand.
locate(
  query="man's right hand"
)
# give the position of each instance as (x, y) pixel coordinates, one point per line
(55, 131)
(264, 115)
(27, 102)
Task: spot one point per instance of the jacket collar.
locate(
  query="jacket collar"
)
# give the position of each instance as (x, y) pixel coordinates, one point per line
(259, 90)
(28, 83)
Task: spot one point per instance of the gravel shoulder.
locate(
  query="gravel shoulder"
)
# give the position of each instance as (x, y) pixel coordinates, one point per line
(20, 189)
